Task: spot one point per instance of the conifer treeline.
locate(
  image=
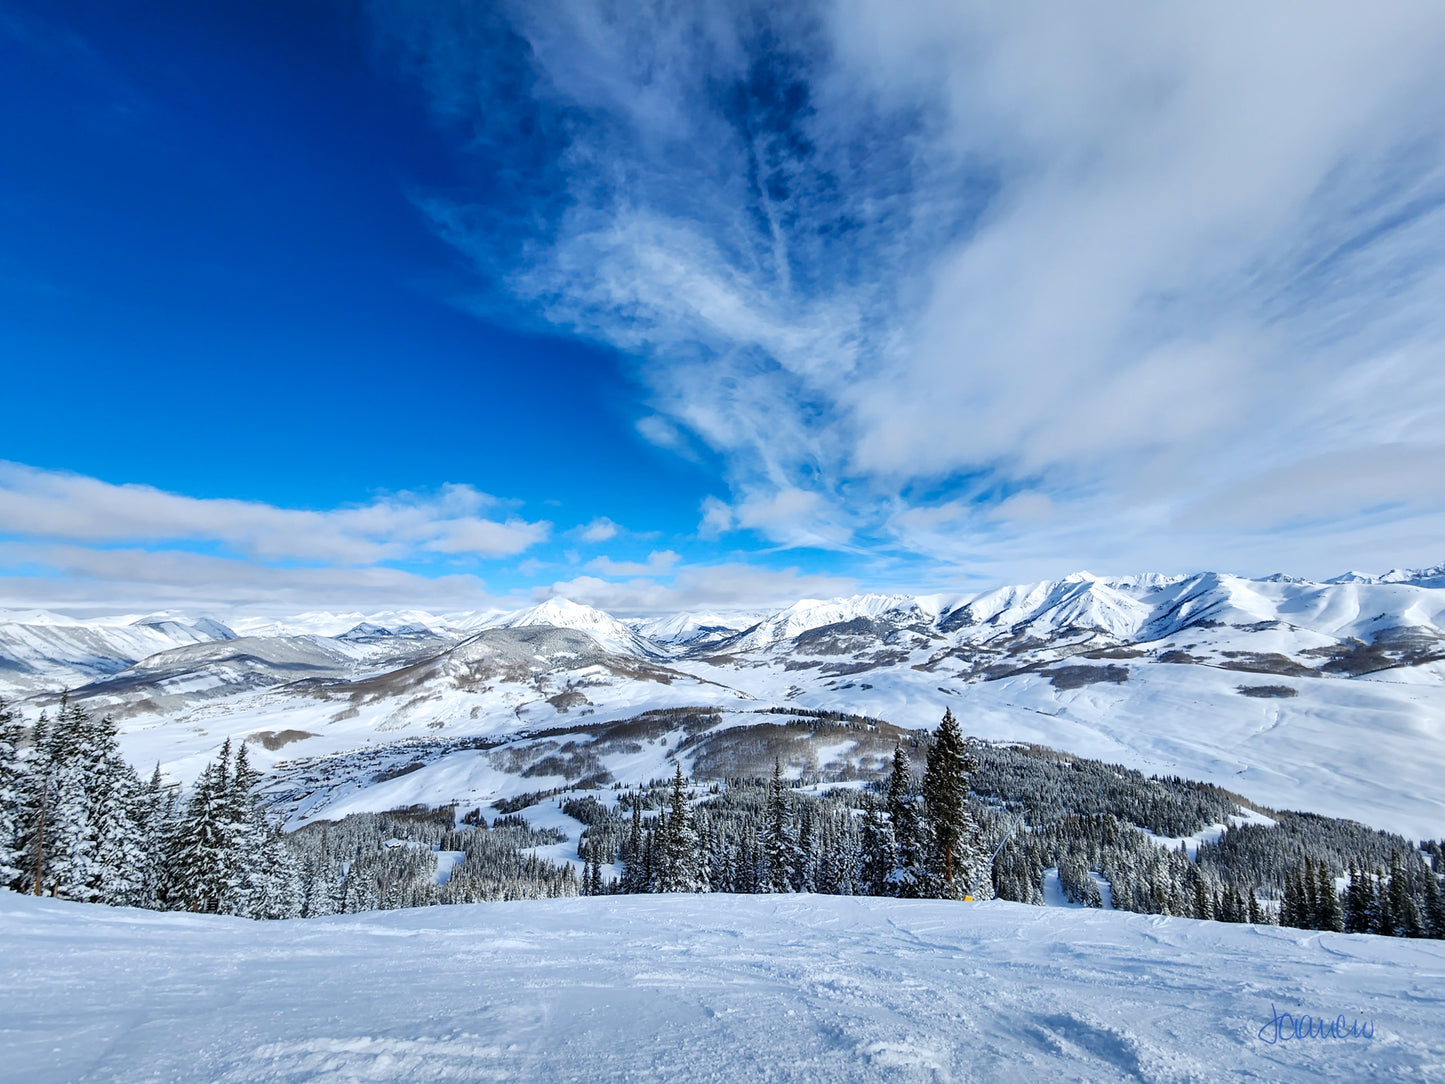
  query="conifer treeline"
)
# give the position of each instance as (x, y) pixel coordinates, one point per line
(76, 823)
(1073, 817)
(923, 842)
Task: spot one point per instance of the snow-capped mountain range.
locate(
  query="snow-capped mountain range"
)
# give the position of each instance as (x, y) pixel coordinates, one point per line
(1317, 695)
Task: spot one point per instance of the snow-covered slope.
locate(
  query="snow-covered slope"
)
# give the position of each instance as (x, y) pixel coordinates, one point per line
(806, 988)
(559, 613)
(41, 650)
(327, 623)
(1080, 601)
(693, 630)
(809, 614)
(1320, 696)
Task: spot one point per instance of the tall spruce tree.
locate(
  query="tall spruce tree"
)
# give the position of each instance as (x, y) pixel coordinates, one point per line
(951, 833)
(253, 883)
(1309, 896)
(1359, 901)
(12, 799)
(910, 873)
(33, 811)
(594, 882)
(200, 864)
(1289, 904)
(805, 875)
(155, 815)
(681, 868)
(119, 858)
(1404, 911)
(633, 879)
(1434, 910)
(779, 846)
(68, 831)
(1329, 914)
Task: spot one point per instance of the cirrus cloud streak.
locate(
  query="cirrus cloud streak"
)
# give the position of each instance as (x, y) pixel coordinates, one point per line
(1118, 267)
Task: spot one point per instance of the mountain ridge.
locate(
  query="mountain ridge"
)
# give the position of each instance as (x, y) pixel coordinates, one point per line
(1211, 675)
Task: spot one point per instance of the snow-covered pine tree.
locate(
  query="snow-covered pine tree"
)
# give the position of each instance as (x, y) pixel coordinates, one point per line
(910, 872)
(1329, 915)
(1309, 883)
(648, 876)
(119, 873)
(951, 832)
(70, 868)
(680, 866)
(249, 885)
(594, 883)
(779, 846)
(34, 809)
(632, 869)
(12, 799)
(1404, 911)
(283, 886)
(67, 829)
(1382, 917)
(805, 873)
(878, 857)
(1356, 910)
(155, 811)
(199, 859)
(1203, 903)
(1434, 910)
(1290, 905)
(750, 862)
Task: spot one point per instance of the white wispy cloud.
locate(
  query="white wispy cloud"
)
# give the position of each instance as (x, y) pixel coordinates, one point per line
(600, 529)
(658, 563)
(64, 507)
(729, 585)
(990, 285)
(90, 580)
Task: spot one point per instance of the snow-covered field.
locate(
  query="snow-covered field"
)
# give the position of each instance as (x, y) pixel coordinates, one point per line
(704, 988)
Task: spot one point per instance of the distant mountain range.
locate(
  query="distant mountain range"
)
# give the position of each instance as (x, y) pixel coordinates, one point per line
(1327, 695)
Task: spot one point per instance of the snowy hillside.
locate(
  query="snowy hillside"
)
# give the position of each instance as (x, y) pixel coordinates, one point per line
(40, 650)
(801, 988)
(801, 617)
(559, 613)
(690, 630)
(1320, 696)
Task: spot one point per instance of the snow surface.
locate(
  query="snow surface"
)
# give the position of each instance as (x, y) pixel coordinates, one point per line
(703, 988)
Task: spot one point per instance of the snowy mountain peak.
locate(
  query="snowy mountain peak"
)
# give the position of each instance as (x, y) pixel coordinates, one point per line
(563, 613)
(811, 613)
(687, 629)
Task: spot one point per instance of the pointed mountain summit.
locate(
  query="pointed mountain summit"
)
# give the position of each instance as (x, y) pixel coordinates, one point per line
(561, 613)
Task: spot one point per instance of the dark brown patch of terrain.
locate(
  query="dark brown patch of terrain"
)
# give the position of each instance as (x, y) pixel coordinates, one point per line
(1404, 646)
(1076, 677)
(272, 740)
(1252, 662)
(1264, 692)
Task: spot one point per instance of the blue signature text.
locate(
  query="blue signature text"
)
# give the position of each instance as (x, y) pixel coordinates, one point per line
(1284, 1027)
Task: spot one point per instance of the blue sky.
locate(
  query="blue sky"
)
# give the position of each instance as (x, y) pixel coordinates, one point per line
(374, 305)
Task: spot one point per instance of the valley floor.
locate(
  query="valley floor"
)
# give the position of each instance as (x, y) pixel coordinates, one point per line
(703, 988)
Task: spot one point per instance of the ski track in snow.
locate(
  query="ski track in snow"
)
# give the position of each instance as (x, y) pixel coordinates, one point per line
(701, 988)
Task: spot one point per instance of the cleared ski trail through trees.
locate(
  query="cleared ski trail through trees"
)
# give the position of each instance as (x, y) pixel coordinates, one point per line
(703, 988)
